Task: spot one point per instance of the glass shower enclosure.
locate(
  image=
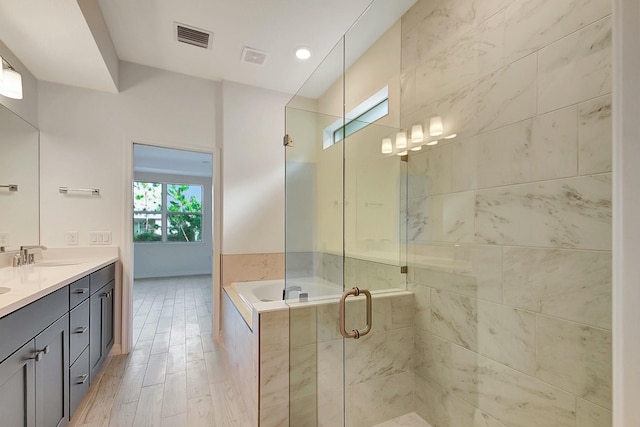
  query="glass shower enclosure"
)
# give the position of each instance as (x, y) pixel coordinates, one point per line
(351, 317)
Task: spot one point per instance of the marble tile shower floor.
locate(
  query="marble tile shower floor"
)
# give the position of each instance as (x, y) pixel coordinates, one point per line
(176, 374)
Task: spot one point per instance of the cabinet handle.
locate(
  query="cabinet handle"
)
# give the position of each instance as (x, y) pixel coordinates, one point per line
(81, 329)
(82, 379)
(40, 354)
(81, 291)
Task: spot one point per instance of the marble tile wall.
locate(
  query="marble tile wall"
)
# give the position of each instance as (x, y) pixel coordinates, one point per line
(509, 224)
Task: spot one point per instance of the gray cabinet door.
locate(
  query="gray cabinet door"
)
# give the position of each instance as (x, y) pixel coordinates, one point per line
(52, 375)
(100, 327)
(17, 388)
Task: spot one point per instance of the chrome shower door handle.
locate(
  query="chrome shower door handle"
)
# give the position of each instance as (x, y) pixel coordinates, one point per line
(355, 333)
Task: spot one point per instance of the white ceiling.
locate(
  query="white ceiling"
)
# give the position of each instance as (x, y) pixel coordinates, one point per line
(59, 41)
(147, 158)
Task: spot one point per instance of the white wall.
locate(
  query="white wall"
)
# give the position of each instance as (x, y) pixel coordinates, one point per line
(253, 170)
(84, 135)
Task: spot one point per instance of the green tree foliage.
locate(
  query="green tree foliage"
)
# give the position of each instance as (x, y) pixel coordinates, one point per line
(182, 226)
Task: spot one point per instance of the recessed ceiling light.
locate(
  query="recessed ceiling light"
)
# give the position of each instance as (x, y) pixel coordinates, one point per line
(303, 53)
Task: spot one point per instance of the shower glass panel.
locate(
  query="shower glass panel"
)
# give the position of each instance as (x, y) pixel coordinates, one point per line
(346, 228)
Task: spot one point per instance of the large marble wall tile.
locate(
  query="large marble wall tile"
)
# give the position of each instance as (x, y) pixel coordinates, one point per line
(422, 310)
(590, 415)
(303, 413)
(451, 217)
(573, 285)
(595, 136)
(330, 383)
(430, 172)
(408, 102)
(538, 149)
(277, 416)
(576, 68)
(576, 358)
(502, 333)
(302, 326)
(274, 377)
(303, 371)
(378, 355)
(373, 275)
(274, 330)
(248, 267)
(471, 270)
(468, 58)
(327, 322)
(506, 96)
(511, 397)
(433, 357)
(534, 24)
(379, 399)
(417, 221)
(569, 213)
(441, 408)
(487, 8)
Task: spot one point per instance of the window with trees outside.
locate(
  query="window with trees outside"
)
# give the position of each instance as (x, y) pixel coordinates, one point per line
(164, 212)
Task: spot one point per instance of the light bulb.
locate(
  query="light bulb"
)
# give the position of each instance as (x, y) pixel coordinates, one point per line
(417, 148)
(433, 142)
(403, 153)
(453, 135)
(387, 146)
(435, 126)
(401, 140)
(303, 53)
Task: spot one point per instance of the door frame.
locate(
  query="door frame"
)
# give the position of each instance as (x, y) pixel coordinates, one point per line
(126, 256)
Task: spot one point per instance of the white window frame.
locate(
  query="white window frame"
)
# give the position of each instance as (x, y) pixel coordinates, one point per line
(328, 135)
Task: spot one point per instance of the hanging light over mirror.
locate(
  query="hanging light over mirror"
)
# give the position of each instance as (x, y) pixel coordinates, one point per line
(417, 135)
(10, 82)
(435, 126)
(401, 140)
(387, 146)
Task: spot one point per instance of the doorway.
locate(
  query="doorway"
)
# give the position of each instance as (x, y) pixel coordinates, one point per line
(172, 236)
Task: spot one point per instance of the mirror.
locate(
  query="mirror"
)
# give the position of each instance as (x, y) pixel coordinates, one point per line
(19, 166)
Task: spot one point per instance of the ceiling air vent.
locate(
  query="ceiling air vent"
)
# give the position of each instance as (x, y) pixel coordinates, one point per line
(254, 56)
(193, 36)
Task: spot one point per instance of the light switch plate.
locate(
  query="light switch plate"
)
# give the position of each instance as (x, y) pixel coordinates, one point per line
(4, 239)
(100, 238)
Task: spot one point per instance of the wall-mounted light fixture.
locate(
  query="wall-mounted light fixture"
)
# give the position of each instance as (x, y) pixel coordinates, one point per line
(417, 136)
(387, 146)
(401, 140)
(435, 126)
(10, 81)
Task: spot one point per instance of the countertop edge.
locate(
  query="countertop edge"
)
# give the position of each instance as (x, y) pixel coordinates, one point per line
(100, 262)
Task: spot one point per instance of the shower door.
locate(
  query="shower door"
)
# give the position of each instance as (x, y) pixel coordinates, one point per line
(346, 229)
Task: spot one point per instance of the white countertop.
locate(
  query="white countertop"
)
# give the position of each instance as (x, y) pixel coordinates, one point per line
(31, 282)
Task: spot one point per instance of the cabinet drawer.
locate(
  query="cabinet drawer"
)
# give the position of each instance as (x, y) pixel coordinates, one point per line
(20, 326)
(79, 291)
(79, 381)
(102, 277)
(79, 330)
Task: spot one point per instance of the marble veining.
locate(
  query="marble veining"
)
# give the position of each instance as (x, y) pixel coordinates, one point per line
(512, 397)
(576, 358)
(576, 68)
(572, 285)
(590, 415)
(595, 136)
(534, 24)
(565, 213)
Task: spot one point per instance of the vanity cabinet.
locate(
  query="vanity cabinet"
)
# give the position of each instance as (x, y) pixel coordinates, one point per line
(34, 372)
(101, 323)
(51, 348)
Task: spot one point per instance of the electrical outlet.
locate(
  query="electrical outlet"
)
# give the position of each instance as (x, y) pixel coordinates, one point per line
(4, 239)
(72, 238)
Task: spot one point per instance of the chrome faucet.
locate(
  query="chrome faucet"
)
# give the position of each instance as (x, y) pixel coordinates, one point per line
(287, 290)
(27, 257)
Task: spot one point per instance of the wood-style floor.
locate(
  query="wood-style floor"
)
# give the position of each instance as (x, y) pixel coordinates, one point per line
(176, 375)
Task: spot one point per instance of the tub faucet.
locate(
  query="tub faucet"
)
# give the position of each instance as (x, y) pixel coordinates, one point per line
(26, 257)
(287, 290)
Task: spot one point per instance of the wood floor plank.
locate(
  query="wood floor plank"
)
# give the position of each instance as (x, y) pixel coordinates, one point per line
(197, 381)
(156, 369)
(175, 394)
(123, 415)
(149, 409)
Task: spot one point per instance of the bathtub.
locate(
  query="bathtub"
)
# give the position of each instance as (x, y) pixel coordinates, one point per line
(253, 293)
